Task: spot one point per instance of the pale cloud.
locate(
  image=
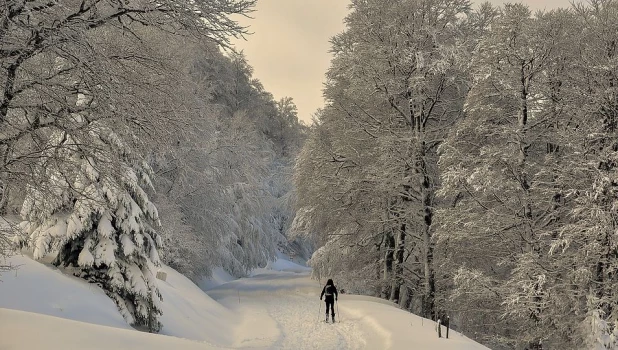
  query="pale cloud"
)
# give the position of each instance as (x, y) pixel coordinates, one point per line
(289, 47)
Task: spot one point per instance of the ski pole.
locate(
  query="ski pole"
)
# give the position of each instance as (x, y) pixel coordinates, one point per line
(320, 311)
(337, 303)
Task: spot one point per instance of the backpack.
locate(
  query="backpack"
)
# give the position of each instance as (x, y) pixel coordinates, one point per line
(329, 290)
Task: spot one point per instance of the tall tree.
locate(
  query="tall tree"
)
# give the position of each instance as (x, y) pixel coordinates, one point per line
(585, 248)
(395, 85)
(515, 167)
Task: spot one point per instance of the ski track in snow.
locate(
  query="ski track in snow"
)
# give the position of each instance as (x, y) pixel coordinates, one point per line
(283, 311)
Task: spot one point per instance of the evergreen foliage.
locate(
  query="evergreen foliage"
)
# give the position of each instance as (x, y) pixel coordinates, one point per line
(99, 221)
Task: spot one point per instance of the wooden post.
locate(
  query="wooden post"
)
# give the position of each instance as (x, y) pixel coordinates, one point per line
(447, 323)
(439, 328)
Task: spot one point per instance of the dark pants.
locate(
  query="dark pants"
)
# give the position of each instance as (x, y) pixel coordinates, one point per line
(330, 302)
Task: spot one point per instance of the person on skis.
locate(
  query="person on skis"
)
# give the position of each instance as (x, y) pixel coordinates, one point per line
(330, 293)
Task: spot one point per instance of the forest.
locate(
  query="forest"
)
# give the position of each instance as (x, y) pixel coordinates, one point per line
(132, 134)
(465, 163)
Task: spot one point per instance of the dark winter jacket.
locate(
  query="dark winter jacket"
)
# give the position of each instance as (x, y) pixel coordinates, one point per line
(329, 291)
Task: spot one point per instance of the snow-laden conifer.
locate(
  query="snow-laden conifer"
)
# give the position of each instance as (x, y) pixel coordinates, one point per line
(92, 211)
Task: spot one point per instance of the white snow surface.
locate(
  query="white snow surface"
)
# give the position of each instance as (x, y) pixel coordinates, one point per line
(219, 276)
(278, 307)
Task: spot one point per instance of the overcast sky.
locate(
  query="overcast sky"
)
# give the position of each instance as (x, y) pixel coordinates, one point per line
(289, 47)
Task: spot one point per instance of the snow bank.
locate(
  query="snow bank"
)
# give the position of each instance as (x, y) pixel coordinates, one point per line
(282, 263)
(25, 330)
(43, 289)
(398, 327)
(218, 277)
(190, 313)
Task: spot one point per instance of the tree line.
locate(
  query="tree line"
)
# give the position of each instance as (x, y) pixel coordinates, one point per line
(465, 164)
(131, 134)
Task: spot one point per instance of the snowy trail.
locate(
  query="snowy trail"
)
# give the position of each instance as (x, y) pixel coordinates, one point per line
(282, 310)
(271, 310)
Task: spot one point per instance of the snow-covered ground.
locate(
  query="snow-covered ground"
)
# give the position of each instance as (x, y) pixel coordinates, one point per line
(277, 308)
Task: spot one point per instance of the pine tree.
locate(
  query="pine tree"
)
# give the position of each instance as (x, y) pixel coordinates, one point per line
(95, 215)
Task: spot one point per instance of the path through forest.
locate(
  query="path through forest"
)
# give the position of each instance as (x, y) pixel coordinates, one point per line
(282, 310)
(273, 309)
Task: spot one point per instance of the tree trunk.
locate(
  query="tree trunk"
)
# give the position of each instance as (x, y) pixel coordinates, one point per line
(4, 185)
(399, 260)
(407, 301)
(528, 244)
(389, 249)
(427, 201)
(4, 198)
(378, 266)
(429, 276)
